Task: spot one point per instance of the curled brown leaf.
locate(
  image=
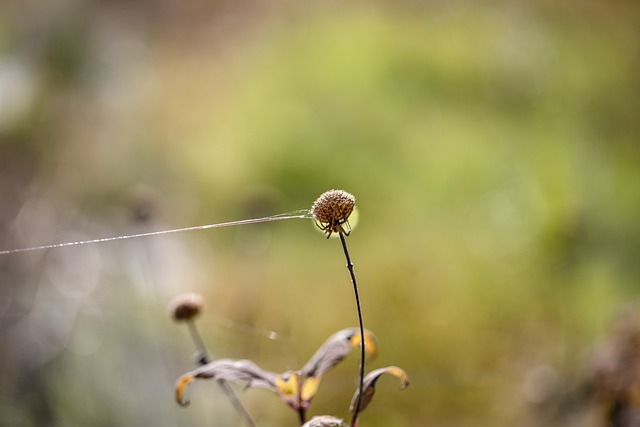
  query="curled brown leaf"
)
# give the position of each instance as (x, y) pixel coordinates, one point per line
(369, 386)
(236, 371)
(336, 348)
(330, 353)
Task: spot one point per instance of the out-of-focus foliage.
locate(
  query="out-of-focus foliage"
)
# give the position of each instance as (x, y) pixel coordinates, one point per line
(492, 149)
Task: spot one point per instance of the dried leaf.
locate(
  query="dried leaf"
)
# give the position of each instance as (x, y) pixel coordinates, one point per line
(309, 389)
(325, 421)
(288, 388)
(288, 384)
(369, 385)
(181, 386)
(330, 353)
(336, 348)
(237, 371)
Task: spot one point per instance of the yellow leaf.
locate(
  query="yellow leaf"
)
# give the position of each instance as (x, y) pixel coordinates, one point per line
(369, 386)
(310, 388)
(290, 386)
(400, 373)
(370, 343)
(181, 385)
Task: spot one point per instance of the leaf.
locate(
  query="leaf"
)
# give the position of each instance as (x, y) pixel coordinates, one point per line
(309, 389)
(181, 385)
(324, 421)
(336, 348)
(289, 389)
(369, 385)
(288, 384)
(237, 371)
(330, 353)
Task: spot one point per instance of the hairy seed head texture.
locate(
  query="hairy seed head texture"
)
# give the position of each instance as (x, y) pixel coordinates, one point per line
(332, 209)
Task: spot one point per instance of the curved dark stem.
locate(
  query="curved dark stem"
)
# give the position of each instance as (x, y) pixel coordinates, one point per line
(302, 410)
(356, 410)
(203, 359)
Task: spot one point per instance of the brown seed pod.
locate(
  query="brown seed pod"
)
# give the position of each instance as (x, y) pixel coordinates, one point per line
(186, 306)
(331, 211)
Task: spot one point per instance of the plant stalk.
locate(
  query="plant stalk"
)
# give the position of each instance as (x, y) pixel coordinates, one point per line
(302, 416)
(203, 359)
(302, 411)
(356, 410)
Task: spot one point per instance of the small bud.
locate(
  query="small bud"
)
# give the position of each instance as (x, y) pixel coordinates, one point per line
(331, 211)
(186, 306)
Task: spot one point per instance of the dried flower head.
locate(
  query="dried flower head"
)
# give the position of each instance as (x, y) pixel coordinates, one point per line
(186, 306)
(331, 211)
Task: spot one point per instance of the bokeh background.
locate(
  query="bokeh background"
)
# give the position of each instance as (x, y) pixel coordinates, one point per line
(492, 148)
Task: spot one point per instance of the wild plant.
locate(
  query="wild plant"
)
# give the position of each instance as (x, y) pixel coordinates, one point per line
(185, 308)
(331, 213)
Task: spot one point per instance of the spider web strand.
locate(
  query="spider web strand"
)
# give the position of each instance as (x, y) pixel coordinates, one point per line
(304, 213)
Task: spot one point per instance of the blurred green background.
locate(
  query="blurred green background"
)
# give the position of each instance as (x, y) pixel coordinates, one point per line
(492, 148)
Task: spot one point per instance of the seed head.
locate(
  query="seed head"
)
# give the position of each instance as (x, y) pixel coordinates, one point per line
(331, 211)
(184, 307)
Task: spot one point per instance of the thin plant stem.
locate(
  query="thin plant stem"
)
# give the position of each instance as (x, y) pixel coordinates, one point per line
(302, 410)
(203, 359)
(356, 409)
(242, 411)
